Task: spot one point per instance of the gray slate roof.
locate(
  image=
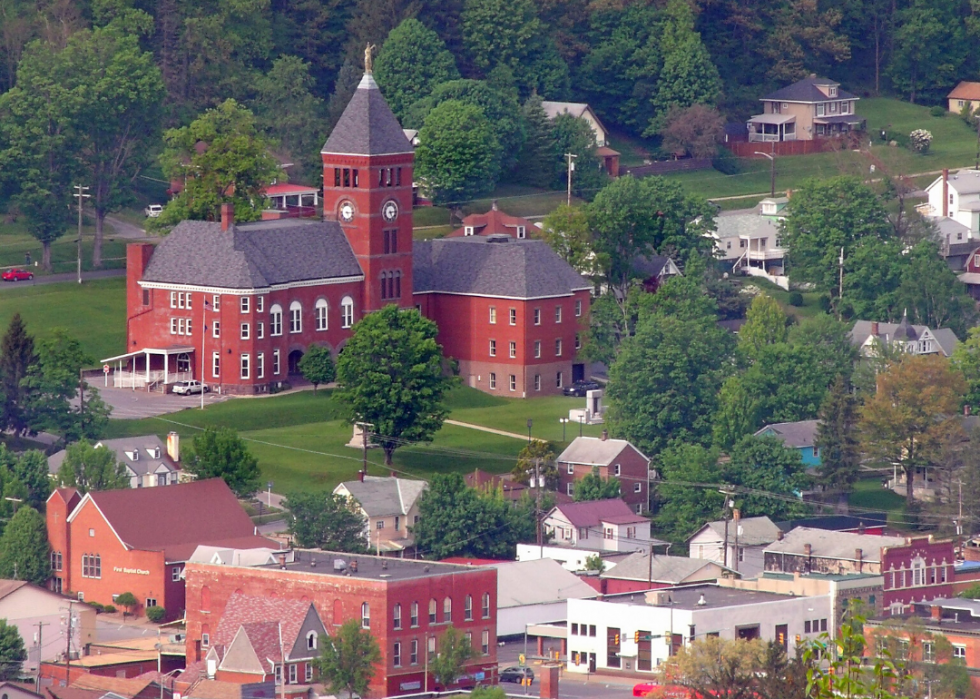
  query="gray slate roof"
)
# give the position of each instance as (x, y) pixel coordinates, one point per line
(751, 225)
(793, 434)
(146, 445)
(965, 181)
(542, 581)
(886, 331)
(831, 544)
(669, 569)
(493, 266)
(367, 126)
(755, 531)
(593, 451)
(382, 496)
(252, 255)
(806, 91)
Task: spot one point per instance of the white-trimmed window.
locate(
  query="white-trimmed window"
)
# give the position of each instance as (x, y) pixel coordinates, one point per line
(537, 316)
(346, 312)
(537, 349)
(521, 232)
(396, 617)
(275, 320)
(260, 330)
(467, 230)
(415, 614)
(571, 469)
(311, 640)
(513, 350)
(278, 674)
(557, 314)
(447, 610)
(309, 672)
(260, 365)
(617, 469)
(637, 487)
(244, 304)
(205, 639)
(493, 309)
(468, 608)
(215, 364)
(537, 382)
(173, 326)
(512, 382)
(245, 331)
(493, 380)
(365, 615)
(959, 651)
(486, 605)
(558, 347)
(216, 302)
(569, 489)
(396, 654)
(188, 326)
(295, 317)
(91, 566)
(578, 308)
(187, 304)
(275, 362)
(493, 348)
(320, 312)
(173, 299)
(292, 673)
(485, 642)
(259, 304)
(215, 328)
(246, 366)
(413, 658)
(513, 316)
(559, 380)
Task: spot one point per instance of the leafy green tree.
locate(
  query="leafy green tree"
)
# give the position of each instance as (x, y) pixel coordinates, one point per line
(453, 652)
(567, 231)
(24, 552)
(830, 342)
(348, 659)
(16, 357)
(51, 386)
(326, 521)
(695, 130)
(412, 61)
(837, 441)
(872, 275)
(594, 563)
(966, 359)
(90, 468)
(128, 601)
(535, 162)
(221, 157)
(594, 487)
(458, 153)
(541, 456)
(932, 294)
(30, 468)
(918, 64)
(765, 324)
(12, 653)
(772, 474)
(390, 376)
(221, 453)
(344, 87)
(317, 366)
(825, 216)
(573, 135)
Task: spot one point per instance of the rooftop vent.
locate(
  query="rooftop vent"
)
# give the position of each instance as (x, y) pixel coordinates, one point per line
(702, 601)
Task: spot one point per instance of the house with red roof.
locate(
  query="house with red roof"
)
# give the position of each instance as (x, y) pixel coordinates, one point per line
(137, 540)
(599, 525)
(494, 222)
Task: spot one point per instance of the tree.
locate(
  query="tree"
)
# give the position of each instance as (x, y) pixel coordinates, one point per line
(221, 158)
(24, 552)
(535, 162)
(830, 341)
(128, 601)
(30, 468)
(825, 216)
(540, 456)
(348, 659)
(16, 358)
(454, 651)
(718, 667)
(317, 366)
(572, 135)
(932, 294)
(326, 521)
(913, 412)
(52, 385)
(88, 468)
(918, 65)
(566, 229)
(458, 153)
(771, 474)
(682, 509)
(344, 87)
(390, 376)
(837, 440)
(695, 130)
(12, 653)
(594, 563)
(412, 61)
(966, 360)
(593, 487)
(499, 32)
(765, 324)
(221, 453)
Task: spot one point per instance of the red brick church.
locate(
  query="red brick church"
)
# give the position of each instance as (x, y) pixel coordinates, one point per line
(237, 305)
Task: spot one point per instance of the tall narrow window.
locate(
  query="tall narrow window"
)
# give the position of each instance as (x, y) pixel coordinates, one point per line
(397, 617)
(493, 348)
(275, 320)
(415, 614)
(347, 312)
(260, 365)
(365, 616)
(513, 316)
(447, 610)
(486, 605)
(295, 317)
(245, 304)
(433, 610)
(468, 608)
(259, 304)
(336, 177)
(215, 364)
(246, 362)
(275, 362)
(384, 285)
(321, 314)
(557, 314)
(493, 309)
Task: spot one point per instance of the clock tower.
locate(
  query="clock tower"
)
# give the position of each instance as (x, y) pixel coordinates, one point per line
(367, 189)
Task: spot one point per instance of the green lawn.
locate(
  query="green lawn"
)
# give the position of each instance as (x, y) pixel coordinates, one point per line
(15, 241)
(93, 312)
(868, 494)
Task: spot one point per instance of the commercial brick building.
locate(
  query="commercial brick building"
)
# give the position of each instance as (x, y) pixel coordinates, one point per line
(137, 540)
(237, 305)
(406, 604)
(918, 571)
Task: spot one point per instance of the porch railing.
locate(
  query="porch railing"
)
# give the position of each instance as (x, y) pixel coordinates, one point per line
(138, 379)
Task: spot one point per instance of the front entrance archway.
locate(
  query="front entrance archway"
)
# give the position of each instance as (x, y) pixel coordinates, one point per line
(183, 363)
(294, 358)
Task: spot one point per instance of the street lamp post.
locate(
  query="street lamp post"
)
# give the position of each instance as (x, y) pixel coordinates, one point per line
(564, 422)
(772, 171)
(530, 423)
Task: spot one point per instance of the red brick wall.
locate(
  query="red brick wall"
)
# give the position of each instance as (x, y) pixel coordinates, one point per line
(614, 587)
(633, 470)
(938, 557)
(209, 588)
(56, 515)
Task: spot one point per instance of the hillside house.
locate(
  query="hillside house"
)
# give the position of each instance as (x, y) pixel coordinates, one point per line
(614, 458)
(809, 109)
(390, 507)
(912, 339)
(746, 540)
(598, 525)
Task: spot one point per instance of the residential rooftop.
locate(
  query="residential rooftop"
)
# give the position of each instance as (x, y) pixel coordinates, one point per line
(367, 567)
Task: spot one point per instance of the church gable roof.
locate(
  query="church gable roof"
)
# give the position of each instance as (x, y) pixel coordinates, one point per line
(367, 126)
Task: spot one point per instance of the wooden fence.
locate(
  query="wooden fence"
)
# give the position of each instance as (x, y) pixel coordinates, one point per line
(666, 166)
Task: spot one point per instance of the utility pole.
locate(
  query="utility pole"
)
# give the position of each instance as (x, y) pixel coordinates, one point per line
(40, 646)
(571, 169)
(68, 647)
(80, 195)
(772, 170)
(840, 283)
(959, 520)
(537, 506)
(729, 493)
(735, 517)
(81, 392)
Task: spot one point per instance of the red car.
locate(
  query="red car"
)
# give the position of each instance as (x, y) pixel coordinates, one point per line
(17, 275)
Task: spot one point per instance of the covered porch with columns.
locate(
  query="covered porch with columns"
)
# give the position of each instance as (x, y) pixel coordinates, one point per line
(152, 367)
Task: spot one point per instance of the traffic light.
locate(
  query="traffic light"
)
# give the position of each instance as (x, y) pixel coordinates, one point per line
(636, 637)
(782, 638)
(797, 638)
(616, 639)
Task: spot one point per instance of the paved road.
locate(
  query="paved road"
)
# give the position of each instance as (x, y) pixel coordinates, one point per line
(124, 229)
(113, 630)
(62, 278)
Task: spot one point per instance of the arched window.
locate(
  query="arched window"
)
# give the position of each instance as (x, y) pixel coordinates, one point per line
(295, 317)
(321, 314)
(311, 640)
(384, 285)
(433, 607)
(347, 312)
(365, 615)
(398, 285)
(275, 320)
(447, 610)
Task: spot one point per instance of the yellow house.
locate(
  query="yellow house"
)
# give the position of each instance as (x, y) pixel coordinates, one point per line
(964, 93)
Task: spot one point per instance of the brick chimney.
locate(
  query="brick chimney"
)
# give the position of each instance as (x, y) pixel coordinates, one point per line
(945, 192)
(874, 328)
(605, 435)
(807, 550)
(859, 557)
(227, 215)
(779, 535)
(936, 613)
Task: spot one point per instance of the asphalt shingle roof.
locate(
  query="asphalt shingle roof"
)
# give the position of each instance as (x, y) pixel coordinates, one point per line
(793, 434)
(493, 266)
(384, 496)
(252, 255)
(753, 531)
(806, 90)
(591, 513)
(593, 451)
(367, 126)
(886, 331)
(663, 569)
(122, 448)
(541, 581)
(831, 544)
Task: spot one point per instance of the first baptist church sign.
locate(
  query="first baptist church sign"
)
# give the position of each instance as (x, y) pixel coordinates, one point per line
(130, 571)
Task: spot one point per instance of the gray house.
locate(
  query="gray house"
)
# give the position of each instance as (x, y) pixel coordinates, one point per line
(747, 539)
(148, 461)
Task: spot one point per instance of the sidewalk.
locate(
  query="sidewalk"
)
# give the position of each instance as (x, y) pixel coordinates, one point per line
(491, 430)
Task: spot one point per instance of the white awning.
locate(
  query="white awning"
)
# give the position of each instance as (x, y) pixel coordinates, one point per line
(773, 119)
(970, 277)
(179, 349)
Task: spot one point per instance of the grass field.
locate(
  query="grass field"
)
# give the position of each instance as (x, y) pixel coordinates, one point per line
(869, 494)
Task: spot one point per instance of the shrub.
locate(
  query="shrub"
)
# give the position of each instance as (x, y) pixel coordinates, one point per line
(795, 299)
(108, 609)
(726, 163)
(129, 601)
(97, 607)
(899, 138)
(919, 140)
(968, 115)
(824, 303)
(156, 614)
(938, 111)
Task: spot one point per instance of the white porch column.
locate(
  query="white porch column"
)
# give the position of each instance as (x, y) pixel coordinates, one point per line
(166, 368)
(146, 359)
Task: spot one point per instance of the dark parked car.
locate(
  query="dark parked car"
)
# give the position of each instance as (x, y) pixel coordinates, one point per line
(579, 388)
(516, 674)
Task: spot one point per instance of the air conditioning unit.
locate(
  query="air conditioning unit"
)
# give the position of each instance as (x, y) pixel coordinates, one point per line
(177, 637)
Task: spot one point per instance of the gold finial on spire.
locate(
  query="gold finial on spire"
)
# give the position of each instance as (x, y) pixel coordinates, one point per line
(368, 61)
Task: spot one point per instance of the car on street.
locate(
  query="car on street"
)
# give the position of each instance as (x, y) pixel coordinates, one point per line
(153, 210)
(186, 388)
(17, 275)
(516, 674)
(580, 388)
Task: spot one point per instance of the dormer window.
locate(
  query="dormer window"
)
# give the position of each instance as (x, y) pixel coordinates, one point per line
(521, 232)
(833, 91)
(311, 640)
(468, 230)
(154, 452)
(134, 455)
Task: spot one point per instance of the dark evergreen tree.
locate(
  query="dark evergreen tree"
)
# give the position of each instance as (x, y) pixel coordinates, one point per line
(837, 438)
(12, 652)
(16, 357)
(343, 89)
(536, 161)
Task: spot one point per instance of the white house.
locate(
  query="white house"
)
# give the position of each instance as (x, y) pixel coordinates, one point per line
(752, 535)
(598, 525)
(912, 339)
(535, 592)
(579, 110)
(955, 198)
(635, 633)
(750, 240)
(390, 506)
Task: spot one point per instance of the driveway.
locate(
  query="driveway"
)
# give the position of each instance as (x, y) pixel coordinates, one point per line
(128, 404)
(124, 229)
(62, 278)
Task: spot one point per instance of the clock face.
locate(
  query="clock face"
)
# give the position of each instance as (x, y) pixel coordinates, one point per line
(389, 211)
(346, 211)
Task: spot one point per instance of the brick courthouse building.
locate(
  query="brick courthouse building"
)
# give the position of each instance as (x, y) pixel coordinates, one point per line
(237, 305)
(406, 605)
